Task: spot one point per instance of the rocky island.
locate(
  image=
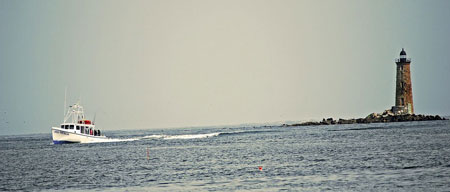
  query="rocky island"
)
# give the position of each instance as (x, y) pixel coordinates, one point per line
(372, 118)
(403, 109)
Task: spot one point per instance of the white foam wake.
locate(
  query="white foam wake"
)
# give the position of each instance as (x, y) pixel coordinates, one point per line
(153, 136)
(190, 136)
(196, 136)
(108, 140)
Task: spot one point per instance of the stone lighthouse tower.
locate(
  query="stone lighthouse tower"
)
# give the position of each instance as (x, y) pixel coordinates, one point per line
(403, 89)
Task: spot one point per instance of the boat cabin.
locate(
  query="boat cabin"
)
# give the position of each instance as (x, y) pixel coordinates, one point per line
(86, 129)
(74, 122)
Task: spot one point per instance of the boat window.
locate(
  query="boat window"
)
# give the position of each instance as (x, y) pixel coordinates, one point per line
(66, 126)
(62, 126)
(71, 126)
(82, 129)
(78, 127)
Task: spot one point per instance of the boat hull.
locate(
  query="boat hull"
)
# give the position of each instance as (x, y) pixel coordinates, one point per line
(62, 136)
(62, 142)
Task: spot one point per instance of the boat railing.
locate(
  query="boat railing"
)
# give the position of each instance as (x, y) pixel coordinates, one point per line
(398, 60)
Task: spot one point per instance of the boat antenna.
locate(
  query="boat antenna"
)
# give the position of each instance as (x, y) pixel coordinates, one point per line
(65, 95)
(93, 120)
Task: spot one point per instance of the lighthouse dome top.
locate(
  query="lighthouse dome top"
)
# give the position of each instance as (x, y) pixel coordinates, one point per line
(403, 57)
(403, 52)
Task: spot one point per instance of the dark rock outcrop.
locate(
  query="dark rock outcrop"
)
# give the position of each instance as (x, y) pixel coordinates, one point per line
(372, 118)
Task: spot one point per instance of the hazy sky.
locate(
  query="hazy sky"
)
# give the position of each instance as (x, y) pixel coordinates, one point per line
(169, 63)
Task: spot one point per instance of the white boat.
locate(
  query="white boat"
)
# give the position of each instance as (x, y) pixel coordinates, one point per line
(76, 129)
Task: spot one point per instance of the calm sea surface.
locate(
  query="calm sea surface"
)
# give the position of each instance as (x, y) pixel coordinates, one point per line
(409, 156)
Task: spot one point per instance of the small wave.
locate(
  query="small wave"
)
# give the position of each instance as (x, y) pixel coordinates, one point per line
(360, 129)
(412, 167)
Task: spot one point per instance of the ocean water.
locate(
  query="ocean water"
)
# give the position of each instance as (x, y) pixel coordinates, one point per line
(407, 156)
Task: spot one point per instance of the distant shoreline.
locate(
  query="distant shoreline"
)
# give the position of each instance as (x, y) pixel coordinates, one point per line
(372, 118)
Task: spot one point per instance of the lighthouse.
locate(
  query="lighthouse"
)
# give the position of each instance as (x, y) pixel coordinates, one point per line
(403, 88)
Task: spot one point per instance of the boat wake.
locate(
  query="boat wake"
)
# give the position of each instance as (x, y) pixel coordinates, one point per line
(172, 137)
(190, 136)
(110, 140)
(204, 135)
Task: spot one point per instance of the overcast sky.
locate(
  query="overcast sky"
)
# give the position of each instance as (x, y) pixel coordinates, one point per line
(169, 63)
